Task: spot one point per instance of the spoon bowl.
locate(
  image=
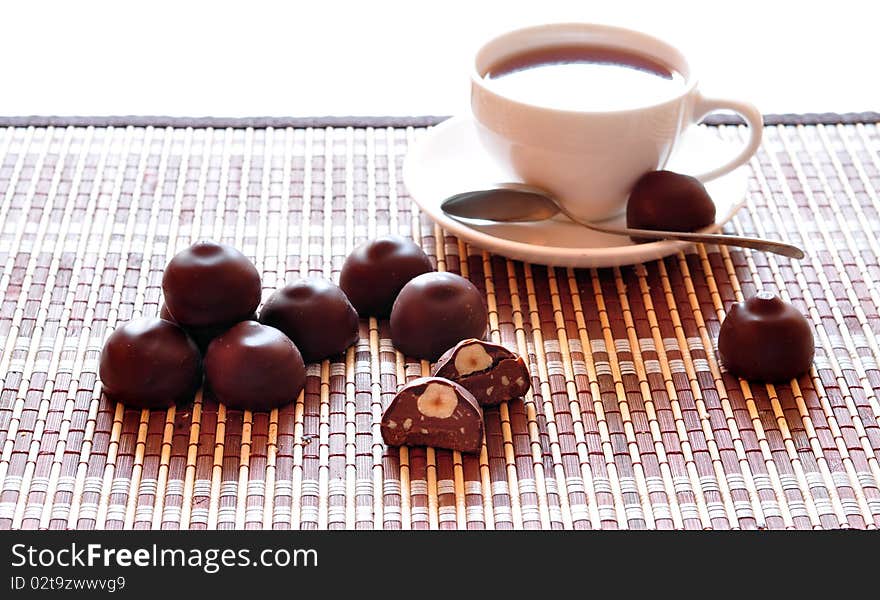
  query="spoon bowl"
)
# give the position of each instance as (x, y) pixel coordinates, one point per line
(506, 203)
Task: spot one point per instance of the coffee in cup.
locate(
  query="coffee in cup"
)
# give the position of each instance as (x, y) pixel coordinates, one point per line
(584, 77)
(584, 110)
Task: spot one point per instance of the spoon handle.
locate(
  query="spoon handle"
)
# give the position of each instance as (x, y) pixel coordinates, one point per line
(721, 239)
(705, 238)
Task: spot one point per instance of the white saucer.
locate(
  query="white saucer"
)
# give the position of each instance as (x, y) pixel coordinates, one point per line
(449, 158)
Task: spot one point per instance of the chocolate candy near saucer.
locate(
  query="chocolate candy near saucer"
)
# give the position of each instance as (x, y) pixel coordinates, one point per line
(150, 363)
(316, 315)
(668, 201)
(491, 372)
(765, 339)
(202, 336)
(375, 272)
(210, 285)
(431, 411)
(254, 367)
(435, 311)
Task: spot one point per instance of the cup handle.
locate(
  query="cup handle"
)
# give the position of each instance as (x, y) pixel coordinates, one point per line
(703, 106)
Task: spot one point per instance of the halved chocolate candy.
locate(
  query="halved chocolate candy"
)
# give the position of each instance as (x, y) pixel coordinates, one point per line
(491, 372)
(431, 411)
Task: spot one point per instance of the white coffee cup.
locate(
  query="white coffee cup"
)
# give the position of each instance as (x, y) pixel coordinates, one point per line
(590, 159)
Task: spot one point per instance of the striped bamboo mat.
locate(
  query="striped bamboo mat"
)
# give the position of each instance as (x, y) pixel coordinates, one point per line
(630, 424)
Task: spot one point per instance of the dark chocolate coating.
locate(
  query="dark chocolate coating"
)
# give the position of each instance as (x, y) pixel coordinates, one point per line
(150, 363)
(435, 311)
(765, 339)
(254, 367)
(454, 420)
(202, 336)
(165, 314)
(491, 372)
(375, 272)
(316, 315)
(669, 201)
(209, 285)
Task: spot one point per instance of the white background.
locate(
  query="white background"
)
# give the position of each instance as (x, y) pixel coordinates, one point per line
(251, 58)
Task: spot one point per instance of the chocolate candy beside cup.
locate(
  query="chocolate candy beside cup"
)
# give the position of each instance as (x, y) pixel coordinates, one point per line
(254, 367)
(766, 339)
(150, 363)
(431, 411)
(435, 311)
(491, 372)
(668, 201)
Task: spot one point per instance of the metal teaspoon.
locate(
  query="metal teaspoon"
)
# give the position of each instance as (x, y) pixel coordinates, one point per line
(517, 202)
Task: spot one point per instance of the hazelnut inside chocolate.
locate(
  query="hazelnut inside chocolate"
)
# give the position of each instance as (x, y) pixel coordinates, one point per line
(766, 339)
(431, 411)
(669, 201)
(491, 372)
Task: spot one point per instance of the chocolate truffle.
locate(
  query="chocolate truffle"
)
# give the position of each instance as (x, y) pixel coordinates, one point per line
(431, 411)
(491, 372)
(375, 272)
(165, 314)
(435, 311)
(316, 315)
(669, 201)
(202, 336)
(254, 367)
(150, 363)
(210, 284)
(765, 339)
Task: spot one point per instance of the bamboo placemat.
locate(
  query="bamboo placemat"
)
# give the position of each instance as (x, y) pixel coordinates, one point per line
(630, 424)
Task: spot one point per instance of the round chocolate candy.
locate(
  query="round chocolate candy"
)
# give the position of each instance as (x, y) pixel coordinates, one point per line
(210, 284)
(254, 367)
(165, 314)
(375, 272)
(765, 339)
(150, 363)
(202, 336)
(669, 201)
(316, 315)
(435, 311)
